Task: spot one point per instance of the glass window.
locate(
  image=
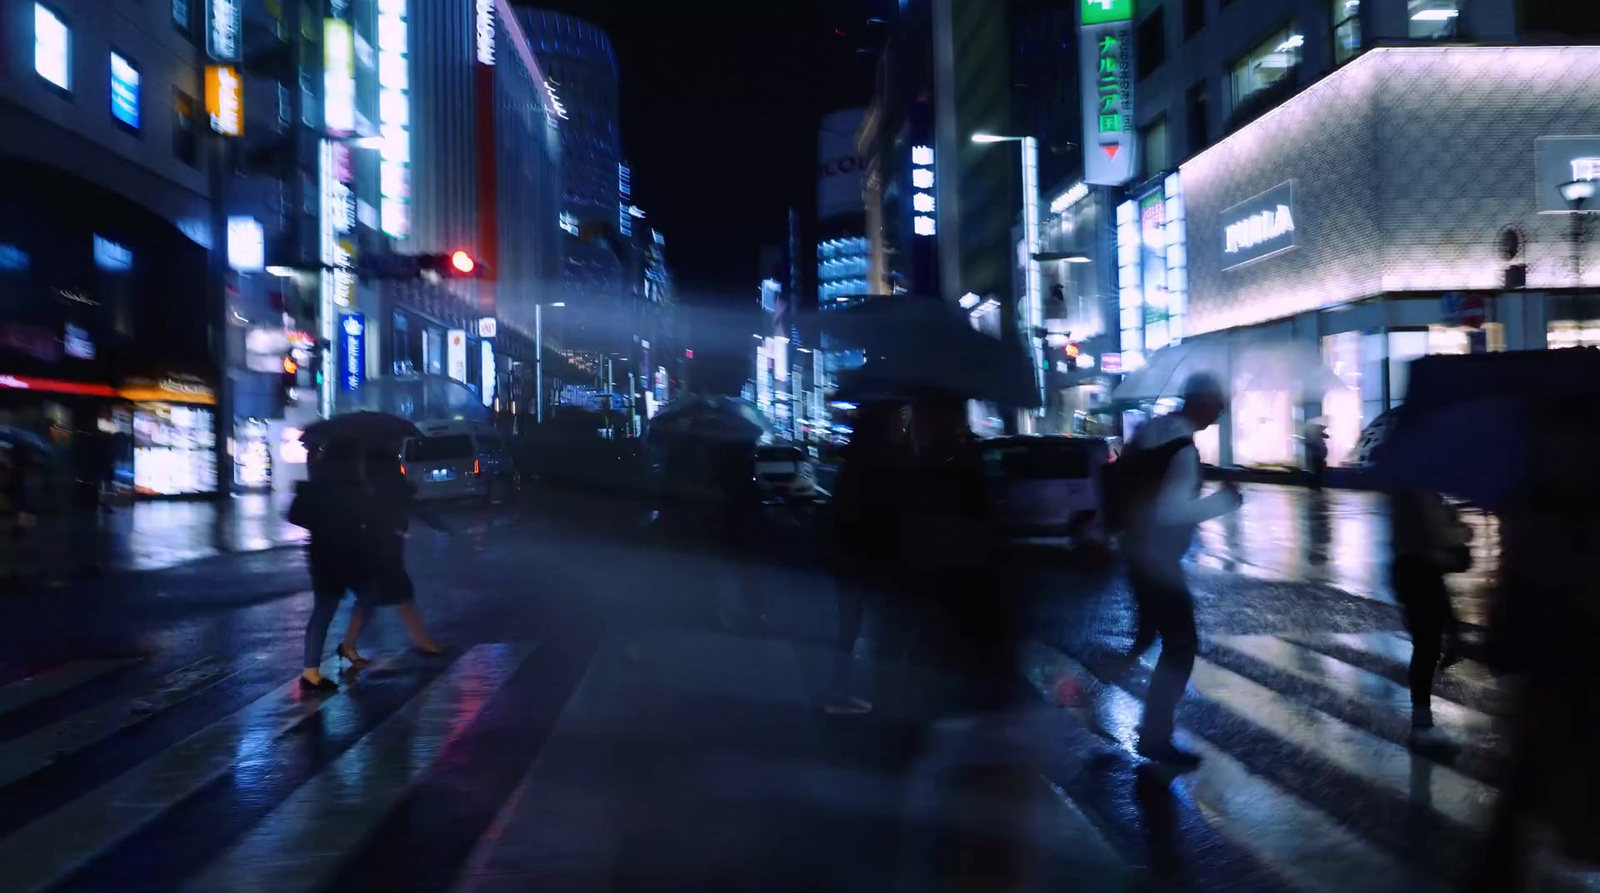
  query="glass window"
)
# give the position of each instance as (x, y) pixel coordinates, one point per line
(124, 92)
(185, 128)
(52, 47)
(180, 15)
(1194, 17)
(1154, 148)
(1433, 19)
(1151, 40)
(436, 449)
(1403, 348)
(1346, 30)
(1271, 61)
(1199, 110)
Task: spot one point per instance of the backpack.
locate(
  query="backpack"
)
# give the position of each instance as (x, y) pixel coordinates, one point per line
(1134, 480)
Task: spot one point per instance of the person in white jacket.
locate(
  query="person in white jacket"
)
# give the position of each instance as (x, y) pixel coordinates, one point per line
(1159, 533)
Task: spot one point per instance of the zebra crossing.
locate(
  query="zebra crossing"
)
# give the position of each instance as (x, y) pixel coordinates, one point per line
(1306, 765)
(507, 775)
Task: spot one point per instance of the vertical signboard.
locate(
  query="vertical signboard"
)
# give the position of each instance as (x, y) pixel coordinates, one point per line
(225, 99)
(394, 117)
(352, 351)
(924, 222)
(223, 19)
(487, 370)
(1105, 52)
(338, 76)
(455, 354)
(839, 168)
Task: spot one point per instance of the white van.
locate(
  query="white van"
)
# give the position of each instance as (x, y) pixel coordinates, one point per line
(459, 460)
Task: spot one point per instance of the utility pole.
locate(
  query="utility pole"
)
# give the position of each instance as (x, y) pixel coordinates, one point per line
(222, 322)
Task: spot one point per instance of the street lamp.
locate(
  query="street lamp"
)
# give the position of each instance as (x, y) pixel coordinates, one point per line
(538, 357)
(1033, 291)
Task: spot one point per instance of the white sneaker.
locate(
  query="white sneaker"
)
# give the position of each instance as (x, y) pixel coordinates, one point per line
(1431, 738)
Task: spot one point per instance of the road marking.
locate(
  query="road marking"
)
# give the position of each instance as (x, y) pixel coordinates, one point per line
(1396, 647)
(301, 844)
(42, 853)
(33, 689)
(21, 757)
(1466, 725)
(1301, 843)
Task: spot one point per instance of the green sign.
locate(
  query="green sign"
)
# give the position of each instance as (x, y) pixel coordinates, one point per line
(1112, 68)
(1098, 12)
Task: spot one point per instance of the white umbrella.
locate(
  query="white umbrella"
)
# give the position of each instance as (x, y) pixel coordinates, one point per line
(1165, 371)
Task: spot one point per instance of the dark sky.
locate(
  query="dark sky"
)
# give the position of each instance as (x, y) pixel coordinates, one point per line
(720, 104)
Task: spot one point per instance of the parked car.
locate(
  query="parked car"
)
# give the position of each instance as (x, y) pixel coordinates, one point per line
(786, 472)
(459, 460)
(1046, 486)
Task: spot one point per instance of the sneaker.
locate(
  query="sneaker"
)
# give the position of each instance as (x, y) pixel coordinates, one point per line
(1169, 755)
(1431, 738)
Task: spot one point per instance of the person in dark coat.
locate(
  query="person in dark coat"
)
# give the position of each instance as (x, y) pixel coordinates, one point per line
(336, 507)
(394, 500)
(864, 501)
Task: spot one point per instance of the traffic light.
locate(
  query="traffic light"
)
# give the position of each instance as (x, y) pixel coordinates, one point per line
(462, 263)
(456, 265)
(1073, 352)
(289, 380)
(459, 264)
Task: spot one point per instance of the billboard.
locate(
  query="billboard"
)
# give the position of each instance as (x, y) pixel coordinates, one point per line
(1105, 54)
(455, 354)
(353, 351)
(839, 167)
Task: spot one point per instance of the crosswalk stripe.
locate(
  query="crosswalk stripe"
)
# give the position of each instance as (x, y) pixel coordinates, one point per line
(1461, 800)
(41, 686)
(43, 852)
(1396, 647)
(1300, 842)
(29, 753)
(301, 844)
(1467, 725)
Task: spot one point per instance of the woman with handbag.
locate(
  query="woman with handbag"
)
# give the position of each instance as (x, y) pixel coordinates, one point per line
(335, 506)
(1429, 541)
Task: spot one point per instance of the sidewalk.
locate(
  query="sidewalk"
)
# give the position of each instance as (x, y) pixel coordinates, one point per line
(156, 535)
(1336, 537)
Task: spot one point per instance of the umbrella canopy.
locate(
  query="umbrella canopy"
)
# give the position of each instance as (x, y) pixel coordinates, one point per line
(1250, 366)
(1464, 429)
(925, 344)
(371, 429)
(422, 398)
(20, 438)
(710, 418)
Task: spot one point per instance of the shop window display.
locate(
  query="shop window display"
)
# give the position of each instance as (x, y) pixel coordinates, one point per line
(173, 450)
(1264, 429)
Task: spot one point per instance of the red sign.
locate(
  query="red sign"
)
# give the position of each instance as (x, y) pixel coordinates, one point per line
(1474, 310)
(22, 383)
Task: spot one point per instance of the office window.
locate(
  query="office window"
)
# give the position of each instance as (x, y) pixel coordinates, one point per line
(52, 47)
(181, 16)
(1270, 62)
(124, 92)
(1433, 19)
(1155, 152)
(185, 128)
(1151, 39)
(1198, 105)
(1194, 17)
(1346, 30)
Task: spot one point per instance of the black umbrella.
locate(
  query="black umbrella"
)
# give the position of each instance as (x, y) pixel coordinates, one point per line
(370, 429)
(18, 437)
(914, 345)
(710, 418)
(1465, 425)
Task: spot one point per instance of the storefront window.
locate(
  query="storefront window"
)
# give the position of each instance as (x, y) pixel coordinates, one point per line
(1263, 429)
(1343, 411)
(1403, 348)
(1433, 19)
(1271, 61)
(1572, 333)
(172, 450)
(1346, 30)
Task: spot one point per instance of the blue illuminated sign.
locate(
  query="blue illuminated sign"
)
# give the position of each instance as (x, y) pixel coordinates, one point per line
(352, 350)
(124, 91)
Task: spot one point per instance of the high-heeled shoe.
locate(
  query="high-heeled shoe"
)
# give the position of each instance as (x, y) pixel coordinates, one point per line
(349, 656)
(323, 684)
(427, 652)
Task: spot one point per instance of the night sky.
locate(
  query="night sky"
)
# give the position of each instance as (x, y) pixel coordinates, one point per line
(720, 102)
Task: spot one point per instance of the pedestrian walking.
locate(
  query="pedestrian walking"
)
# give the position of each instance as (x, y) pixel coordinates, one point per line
(864, 504)
(1429, 540)
(1161, 503)
(395, 503)
(335, 505)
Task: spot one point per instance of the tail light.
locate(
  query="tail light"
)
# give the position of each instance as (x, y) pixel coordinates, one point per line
(402, 471)
(477, 466)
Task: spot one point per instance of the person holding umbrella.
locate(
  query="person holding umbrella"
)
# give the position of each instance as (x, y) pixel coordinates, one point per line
(337, 507)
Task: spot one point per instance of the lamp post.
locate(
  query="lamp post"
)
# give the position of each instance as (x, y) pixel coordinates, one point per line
(538, 358)
(1578, 194)
(1033, 311)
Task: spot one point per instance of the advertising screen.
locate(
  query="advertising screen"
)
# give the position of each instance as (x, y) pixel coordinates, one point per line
(172, 450)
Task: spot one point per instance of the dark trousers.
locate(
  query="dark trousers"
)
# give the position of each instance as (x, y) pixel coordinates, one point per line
(1166, 609)
(1425, 605)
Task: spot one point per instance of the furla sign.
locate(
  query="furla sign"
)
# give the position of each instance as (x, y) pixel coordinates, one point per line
(1259, 228)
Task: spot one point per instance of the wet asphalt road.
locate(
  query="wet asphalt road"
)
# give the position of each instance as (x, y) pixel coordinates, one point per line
(596, 726)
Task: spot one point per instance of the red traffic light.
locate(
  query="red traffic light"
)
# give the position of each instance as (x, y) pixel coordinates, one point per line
(1072, 349)
(463, 262)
